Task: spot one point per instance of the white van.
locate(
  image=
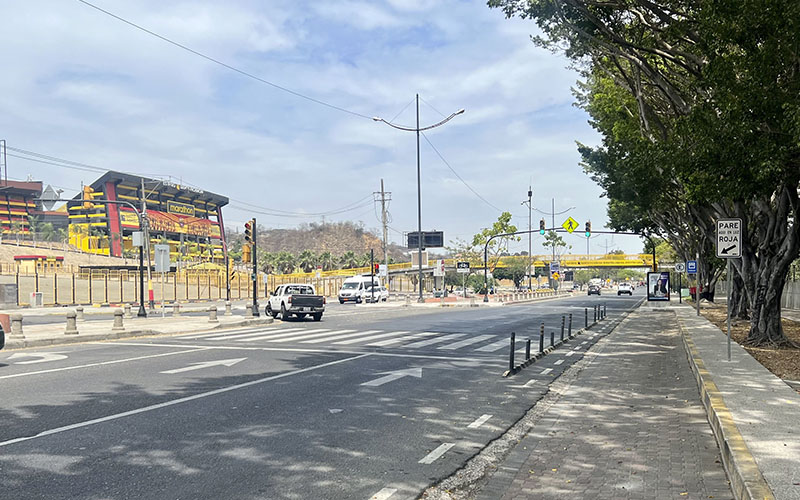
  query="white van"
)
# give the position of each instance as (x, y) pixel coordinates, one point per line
(354, 287)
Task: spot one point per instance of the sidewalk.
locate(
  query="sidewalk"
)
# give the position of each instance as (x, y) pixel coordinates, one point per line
(154, 324)
(634, 425)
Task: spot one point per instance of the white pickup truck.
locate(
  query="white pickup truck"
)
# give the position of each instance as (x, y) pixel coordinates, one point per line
(297, 299)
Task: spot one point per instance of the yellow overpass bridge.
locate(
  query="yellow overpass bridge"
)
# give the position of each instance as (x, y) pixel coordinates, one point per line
(567, 262)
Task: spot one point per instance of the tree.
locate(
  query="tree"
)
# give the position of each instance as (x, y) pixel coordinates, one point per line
(307, 261)
(516, 271)
(499, 245)
(327, 261)
(697, 104)
(348, 260)
(556, 244)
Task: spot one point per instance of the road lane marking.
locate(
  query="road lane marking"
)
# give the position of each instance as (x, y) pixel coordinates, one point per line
(174, 402)
(495, 346)
(395, 375)
(384, 494)
(372, 337)
(204, 364)
(339, 337)
(439, 340)
(415, 336)
(44, 357)
(103, 363)
(546, 371)
(272, 331)
(218, 333)
(570, 353)
(479, 421)
(558, 362)
(275, 336)
(303, 336)
(432, 456)
(466, 342)
(584, 342)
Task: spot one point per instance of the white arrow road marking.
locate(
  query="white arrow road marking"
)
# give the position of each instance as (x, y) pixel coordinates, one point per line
(335, 410)
(438, 452)
(205, 364)
(43, 357)
(392, 376)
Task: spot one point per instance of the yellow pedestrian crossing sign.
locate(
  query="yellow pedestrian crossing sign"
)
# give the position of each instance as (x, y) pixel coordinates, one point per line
(570, 224)
(556, 276)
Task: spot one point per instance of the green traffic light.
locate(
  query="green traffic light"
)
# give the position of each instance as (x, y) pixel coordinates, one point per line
(588, 234)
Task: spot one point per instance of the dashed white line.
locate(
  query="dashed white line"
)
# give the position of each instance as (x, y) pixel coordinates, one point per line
(479, 421)
(435, 454)
(558, 362)
(546, 371)
(570, 353)
(584, 342)
(384, 494)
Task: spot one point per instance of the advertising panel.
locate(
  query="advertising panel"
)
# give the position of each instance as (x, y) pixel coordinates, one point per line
(658, 286)
(172, 223)
(174, 207)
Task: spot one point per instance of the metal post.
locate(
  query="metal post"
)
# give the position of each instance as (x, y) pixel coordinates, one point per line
(570, 326)
(511, 352)
(527, 349)
(697, 283)
(594, 309)
(142, 311)
(55, 288)
(419, 210)
(680, 287)
(73, 287)
(541, 338)
(728, 281)
(552, 339)
(256, 314)
(372, 275)
(563, 320)
(605, 313)
(586, 317)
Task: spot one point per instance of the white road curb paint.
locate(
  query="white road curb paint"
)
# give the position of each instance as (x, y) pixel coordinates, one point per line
(546, 371)
(432, 456)
(174, 402)
(558, 362)
(570, 353)
(113, 362)
(479, 421)
(383, 494)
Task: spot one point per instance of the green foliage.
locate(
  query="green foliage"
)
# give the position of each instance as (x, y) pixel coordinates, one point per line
(517, 272)
(499, 245)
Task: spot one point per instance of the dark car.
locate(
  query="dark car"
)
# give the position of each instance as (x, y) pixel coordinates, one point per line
(594, 289)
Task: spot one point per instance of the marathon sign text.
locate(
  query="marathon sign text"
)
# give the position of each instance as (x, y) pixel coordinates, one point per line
(729, 238)
(173, 207)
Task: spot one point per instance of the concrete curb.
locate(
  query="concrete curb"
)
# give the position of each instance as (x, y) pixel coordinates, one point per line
(747, 482)
(76, 339)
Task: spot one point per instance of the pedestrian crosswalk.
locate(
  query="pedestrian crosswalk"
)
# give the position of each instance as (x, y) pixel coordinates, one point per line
(404, 339)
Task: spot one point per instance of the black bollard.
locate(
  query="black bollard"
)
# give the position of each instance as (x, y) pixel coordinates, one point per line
(586, 317)
(511, 352)
(570, 326)
(562, 327)
(595, 314)
(604, 311)
(541, 339)
(527, 349)
(552, 339)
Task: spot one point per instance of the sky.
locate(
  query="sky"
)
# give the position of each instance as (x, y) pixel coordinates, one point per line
(285, 131)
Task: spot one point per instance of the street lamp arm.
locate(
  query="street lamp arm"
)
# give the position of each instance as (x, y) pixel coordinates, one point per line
(410, 129)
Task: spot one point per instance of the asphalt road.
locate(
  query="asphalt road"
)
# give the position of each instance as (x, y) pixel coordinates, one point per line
(367, 402)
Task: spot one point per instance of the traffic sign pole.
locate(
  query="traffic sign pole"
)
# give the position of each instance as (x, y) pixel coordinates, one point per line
(728, 303)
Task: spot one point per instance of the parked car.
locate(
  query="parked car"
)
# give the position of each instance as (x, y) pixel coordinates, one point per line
(594, 289)
(297, 299)
(380, 293)
(625, 288)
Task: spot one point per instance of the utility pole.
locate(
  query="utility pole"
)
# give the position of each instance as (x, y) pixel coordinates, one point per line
(146, 242)
(255, 269)
(5, 162)
(384, 197)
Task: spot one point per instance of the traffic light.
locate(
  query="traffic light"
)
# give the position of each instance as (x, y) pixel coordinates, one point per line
(588, 229)
(246, 253)
(248, 231)
(88, 194)
(541, 226)
(376, 268)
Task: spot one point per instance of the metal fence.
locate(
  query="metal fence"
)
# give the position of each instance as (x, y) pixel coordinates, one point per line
(789, 300)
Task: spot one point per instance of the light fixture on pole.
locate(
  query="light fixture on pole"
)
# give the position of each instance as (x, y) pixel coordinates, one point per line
(529, 202)
(417, 129)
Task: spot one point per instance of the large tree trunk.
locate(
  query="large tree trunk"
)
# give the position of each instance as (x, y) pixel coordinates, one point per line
(739, 305)
(771, 242)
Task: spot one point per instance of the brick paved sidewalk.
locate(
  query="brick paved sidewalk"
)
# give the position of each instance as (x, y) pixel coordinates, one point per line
(631, 425)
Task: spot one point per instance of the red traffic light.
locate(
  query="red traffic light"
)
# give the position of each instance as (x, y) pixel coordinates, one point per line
(248, 231)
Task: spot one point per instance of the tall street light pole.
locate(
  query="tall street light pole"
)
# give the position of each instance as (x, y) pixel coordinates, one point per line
(417, 129)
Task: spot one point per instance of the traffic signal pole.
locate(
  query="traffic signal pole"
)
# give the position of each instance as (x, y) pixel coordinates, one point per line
(255, 270)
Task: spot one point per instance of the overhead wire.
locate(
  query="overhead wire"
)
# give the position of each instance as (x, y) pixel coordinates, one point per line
(223, 64)
(458, 176)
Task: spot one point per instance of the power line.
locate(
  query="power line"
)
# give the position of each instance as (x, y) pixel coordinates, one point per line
(223, 64)
(456, 174)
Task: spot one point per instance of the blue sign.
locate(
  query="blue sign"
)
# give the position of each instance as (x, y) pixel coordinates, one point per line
(691, 266)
